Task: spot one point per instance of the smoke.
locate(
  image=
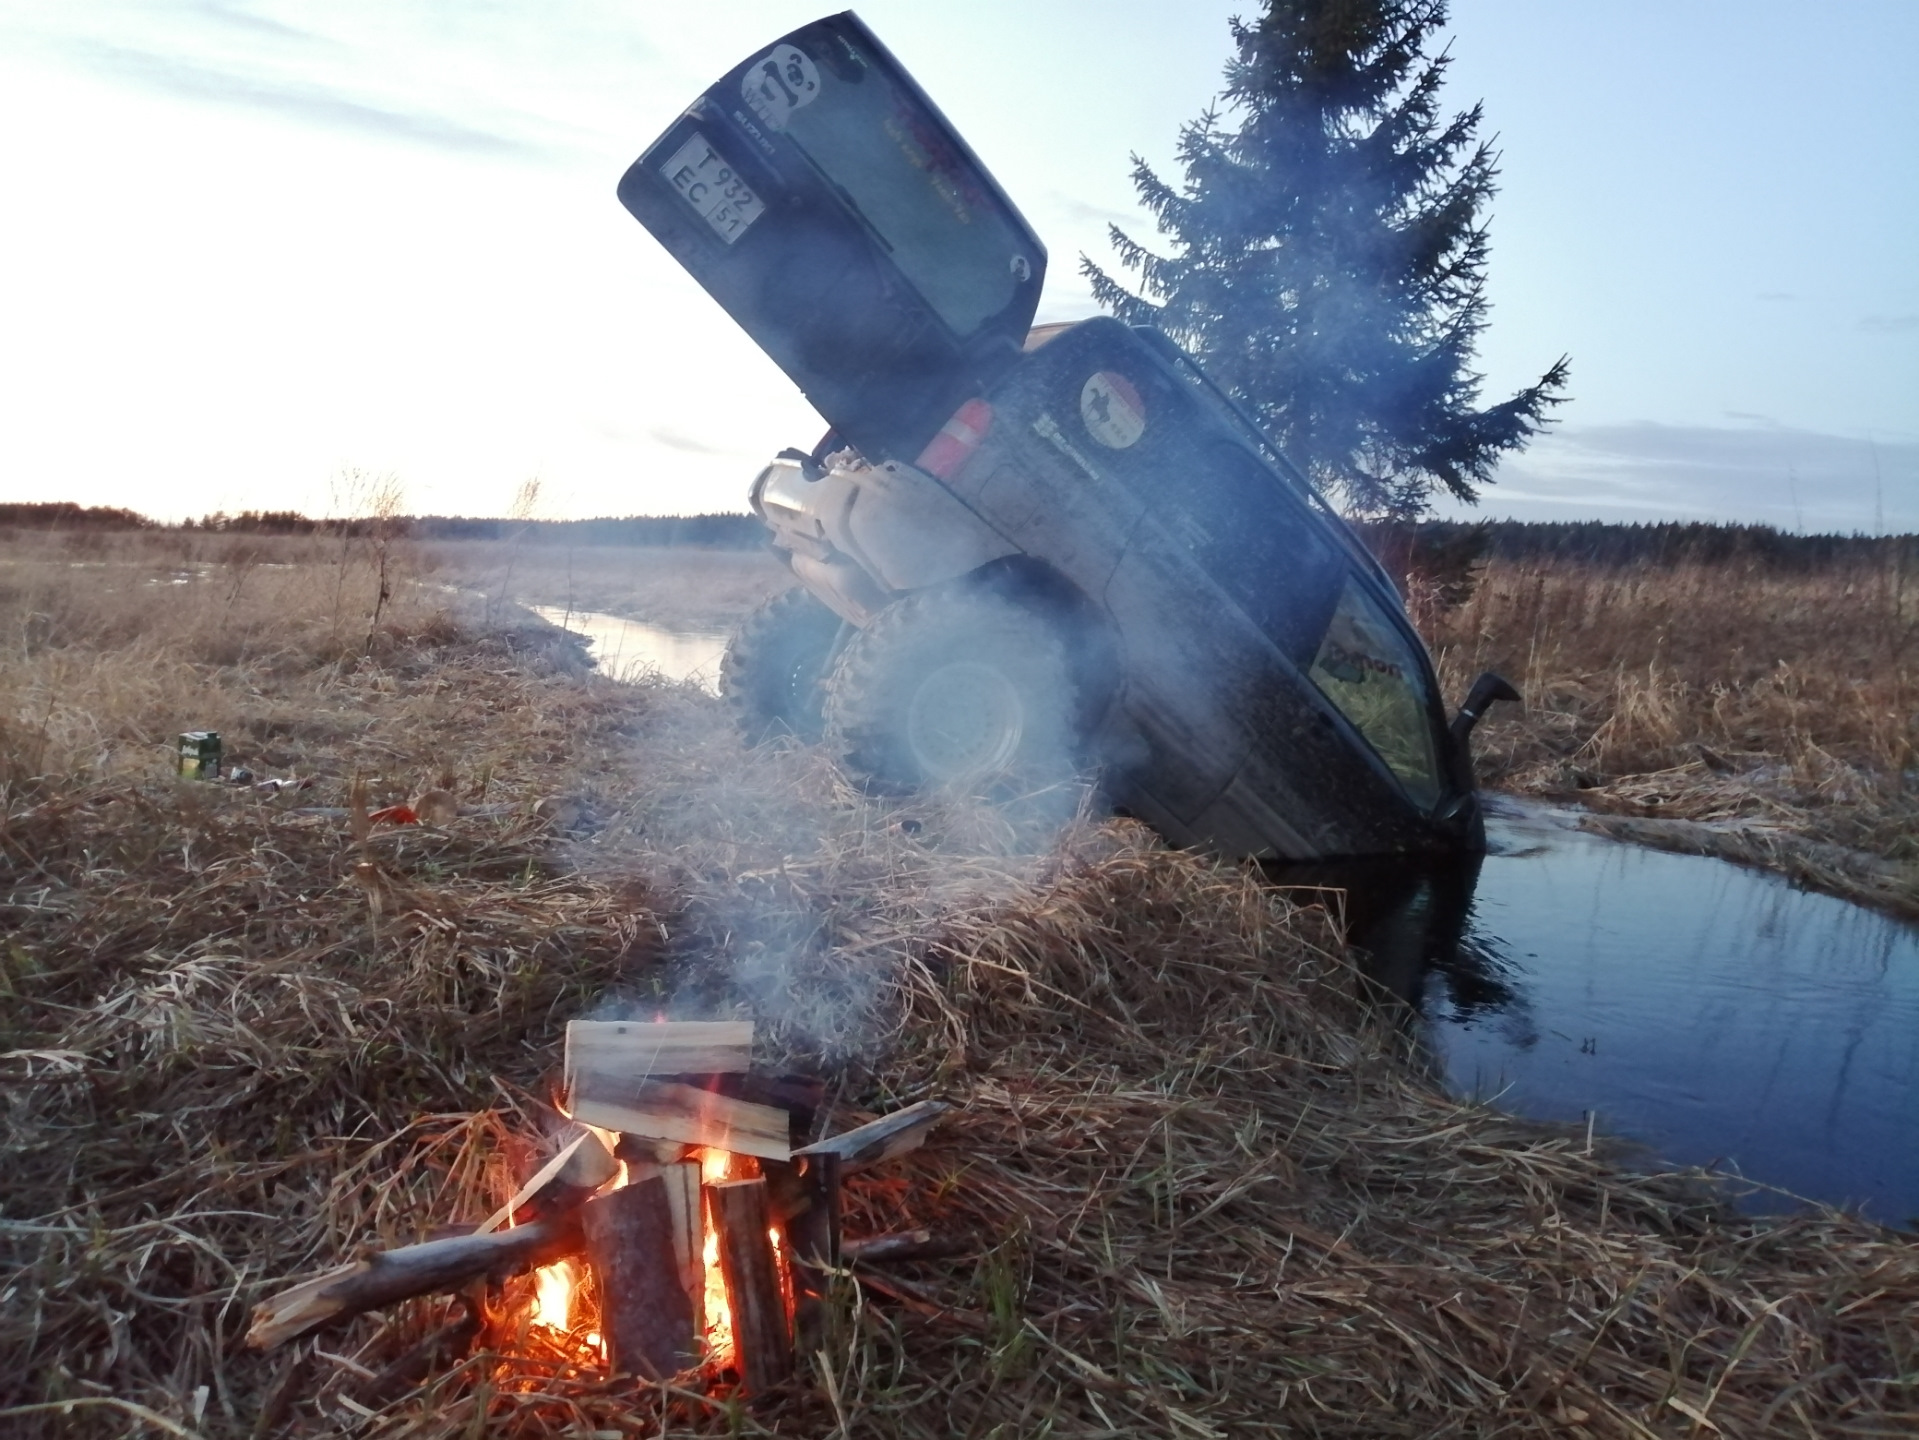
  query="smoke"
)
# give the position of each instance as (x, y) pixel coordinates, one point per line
(788, 895)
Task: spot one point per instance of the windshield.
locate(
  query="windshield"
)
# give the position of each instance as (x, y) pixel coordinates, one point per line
(914, 189)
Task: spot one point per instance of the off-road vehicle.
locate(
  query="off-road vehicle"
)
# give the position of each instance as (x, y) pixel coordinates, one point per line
(1020, 550)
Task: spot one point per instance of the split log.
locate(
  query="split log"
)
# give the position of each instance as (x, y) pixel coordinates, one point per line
(639, 1050)
(813, 1238)
(883, 1139)
(395, 1275)
(689, 1234)
(761, 1341)
(659, 1111)
(581, 1167)
(645, 1312)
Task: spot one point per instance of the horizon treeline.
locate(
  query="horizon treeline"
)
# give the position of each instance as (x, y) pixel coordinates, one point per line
(1444, 543)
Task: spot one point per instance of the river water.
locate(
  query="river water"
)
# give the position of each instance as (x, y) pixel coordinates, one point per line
(627, 649)
(1711, 1012)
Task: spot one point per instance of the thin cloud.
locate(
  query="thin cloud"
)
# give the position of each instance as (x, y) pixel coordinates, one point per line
(1761, 473)
(674, 440)
(296, 100)
(1889, 324)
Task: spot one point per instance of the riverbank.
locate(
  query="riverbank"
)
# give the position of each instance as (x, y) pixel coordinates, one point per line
(1194, 1182)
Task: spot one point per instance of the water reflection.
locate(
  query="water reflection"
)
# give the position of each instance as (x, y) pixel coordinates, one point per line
(1713, 1012)
(627, 649)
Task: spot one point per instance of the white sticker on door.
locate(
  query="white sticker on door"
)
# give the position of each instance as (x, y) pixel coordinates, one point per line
(780, 82)
(1114, 414)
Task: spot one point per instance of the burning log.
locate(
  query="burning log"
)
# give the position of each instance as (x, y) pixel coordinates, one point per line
(883, 1139)
(656, 1110)
(395, 1275)
(646, 1313)
(760, 1338)
(581, 1167)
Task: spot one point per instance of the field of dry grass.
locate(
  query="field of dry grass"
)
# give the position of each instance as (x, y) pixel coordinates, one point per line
(1773, 704)
(1200, 1188)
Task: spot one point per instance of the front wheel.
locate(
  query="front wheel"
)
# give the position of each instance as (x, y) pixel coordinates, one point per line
(770, 676)
(953, 688)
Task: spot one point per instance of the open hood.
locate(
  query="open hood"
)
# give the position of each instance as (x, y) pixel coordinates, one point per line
(825, 202)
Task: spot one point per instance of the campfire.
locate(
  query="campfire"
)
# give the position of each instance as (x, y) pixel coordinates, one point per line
(677, 1232)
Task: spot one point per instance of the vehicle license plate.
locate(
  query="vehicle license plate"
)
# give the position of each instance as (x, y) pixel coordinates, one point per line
(711, 187)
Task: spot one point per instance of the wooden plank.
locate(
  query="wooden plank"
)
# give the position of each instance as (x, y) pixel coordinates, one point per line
(656, 1110)
(645, 1313)
(413, 1270)
(580, 1168)
(639, 1049)
(882, 1139)
(763, 1346)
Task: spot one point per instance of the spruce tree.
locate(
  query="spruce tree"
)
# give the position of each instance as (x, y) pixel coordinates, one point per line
(1328, 254)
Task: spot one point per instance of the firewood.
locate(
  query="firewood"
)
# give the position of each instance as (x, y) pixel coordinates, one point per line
(645, 1311)
(640, 1050)
(899, 1246)
(813, 1241)
(760, 1337)
(660, 1111)
(394, 1275)
(581, 1167)
(683, 1196)
(882, 1139)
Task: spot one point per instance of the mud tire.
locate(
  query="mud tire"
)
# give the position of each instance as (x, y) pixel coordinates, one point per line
(770, 675)
(954, 688)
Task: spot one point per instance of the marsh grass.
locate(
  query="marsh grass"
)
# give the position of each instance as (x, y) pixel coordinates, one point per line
(1735, 693)
(1202, 1183)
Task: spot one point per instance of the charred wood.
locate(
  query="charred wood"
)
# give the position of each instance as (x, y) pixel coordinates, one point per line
(760, 1336)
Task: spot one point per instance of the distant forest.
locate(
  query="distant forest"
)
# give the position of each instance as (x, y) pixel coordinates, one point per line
(712, 532)
(1431, 545)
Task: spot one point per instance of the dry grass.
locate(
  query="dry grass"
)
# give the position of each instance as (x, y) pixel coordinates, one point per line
(1733, 694)
(1204, 1188)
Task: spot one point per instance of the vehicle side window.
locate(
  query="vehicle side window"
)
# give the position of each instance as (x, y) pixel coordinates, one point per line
(1367, 668)
(1257, 545)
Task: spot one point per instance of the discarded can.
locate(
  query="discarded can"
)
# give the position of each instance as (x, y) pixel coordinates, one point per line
(200, 755)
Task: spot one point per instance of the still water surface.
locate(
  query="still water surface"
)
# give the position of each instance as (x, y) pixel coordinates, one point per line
(1712, 1012)
(627, 649)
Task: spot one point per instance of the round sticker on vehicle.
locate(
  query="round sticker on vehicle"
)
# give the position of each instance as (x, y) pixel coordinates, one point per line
(1114, 414)
(780, 82)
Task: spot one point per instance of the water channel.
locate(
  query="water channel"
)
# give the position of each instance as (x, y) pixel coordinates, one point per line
(1713, 1013)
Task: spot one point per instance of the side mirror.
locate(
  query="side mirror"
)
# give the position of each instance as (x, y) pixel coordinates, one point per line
(1486, 689)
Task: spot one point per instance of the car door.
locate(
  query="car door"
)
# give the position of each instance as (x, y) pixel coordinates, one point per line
(823, 200)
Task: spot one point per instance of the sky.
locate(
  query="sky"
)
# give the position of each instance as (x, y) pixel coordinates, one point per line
(256, 253)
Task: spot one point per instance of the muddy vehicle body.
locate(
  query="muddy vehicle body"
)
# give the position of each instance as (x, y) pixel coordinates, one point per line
(1022, 551)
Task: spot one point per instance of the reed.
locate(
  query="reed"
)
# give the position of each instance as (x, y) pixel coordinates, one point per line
(1734, 690)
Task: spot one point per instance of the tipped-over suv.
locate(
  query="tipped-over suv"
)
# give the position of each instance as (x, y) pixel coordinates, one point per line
(1021, 550)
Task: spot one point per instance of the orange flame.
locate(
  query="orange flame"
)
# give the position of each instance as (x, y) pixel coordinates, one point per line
(715, 1165)
(553, 1287)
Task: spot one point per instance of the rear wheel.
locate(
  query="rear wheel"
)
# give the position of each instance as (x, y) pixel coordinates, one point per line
(770, 676)
(953, 688)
